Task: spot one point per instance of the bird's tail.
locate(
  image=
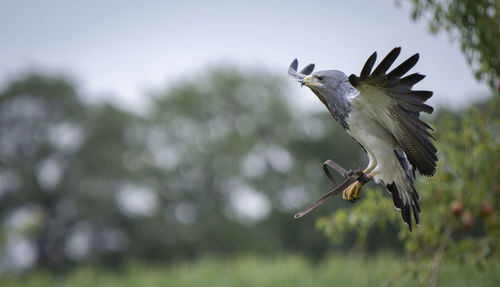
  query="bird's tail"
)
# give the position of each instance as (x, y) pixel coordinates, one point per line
(403, 192)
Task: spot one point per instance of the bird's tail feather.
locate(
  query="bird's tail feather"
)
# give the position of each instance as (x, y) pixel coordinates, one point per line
(403, 192)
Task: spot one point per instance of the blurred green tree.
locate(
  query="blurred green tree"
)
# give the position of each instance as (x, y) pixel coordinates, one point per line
(218, 165)
(475, 23)
(40, 120)
(61, 161)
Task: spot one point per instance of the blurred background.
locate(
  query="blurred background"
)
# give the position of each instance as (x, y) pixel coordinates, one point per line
(161, 144)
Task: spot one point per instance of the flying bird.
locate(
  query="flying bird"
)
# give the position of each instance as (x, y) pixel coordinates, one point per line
(380, 111)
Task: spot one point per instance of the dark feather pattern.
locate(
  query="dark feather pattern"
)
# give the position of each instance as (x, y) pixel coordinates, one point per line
(413, 134)
(414, 138)
(403, 68)
(367, 68)
(416, 97)
(395, 195)
(411, 205)
(355, 81)
(410, 80)
(387, 62)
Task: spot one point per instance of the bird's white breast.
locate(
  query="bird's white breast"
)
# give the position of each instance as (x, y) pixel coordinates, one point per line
(377, 141)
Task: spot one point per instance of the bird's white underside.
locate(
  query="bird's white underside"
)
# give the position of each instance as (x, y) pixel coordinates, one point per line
(371, 125)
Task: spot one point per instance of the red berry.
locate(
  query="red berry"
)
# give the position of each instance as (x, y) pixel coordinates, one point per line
(486, 208)
(457, 207)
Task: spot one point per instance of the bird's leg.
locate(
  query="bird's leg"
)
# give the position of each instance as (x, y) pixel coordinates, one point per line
(353, 191)
(371, 165)
(368, 169)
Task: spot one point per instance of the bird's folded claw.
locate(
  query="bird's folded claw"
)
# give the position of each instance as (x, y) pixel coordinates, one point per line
(352, 192)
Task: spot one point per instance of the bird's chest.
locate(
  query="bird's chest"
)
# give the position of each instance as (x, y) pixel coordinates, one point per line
(365, 129)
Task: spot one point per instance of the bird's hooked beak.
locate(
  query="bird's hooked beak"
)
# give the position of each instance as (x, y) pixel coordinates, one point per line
(310, 82)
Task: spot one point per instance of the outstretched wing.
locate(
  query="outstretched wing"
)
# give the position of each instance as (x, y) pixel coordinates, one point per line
(389, 99)
(292, 70)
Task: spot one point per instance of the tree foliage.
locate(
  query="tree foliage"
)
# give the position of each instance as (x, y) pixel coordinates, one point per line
(476, 23)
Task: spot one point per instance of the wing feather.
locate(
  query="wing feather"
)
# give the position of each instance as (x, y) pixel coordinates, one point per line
(416, 97)
(410, 80)
(386, 62)
(308, 69)
(390, 100)
(414, 107)
(292, 70)
(367, 68)
(404, 67)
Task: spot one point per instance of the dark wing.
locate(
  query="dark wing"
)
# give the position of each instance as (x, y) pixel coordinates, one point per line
(389, 98)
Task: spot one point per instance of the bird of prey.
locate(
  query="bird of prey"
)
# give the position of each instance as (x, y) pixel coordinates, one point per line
(381, 112)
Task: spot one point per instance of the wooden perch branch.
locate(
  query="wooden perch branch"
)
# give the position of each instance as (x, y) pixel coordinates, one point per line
(350, 175)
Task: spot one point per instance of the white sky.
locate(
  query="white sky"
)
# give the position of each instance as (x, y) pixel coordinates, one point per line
(118, 50)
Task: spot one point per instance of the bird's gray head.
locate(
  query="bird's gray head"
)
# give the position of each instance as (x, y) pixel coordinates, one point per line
(332, 87)
(327, 83)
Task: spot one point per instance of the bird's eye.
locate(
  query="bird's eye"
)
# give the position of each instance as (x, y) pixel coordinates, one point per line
(320, 78)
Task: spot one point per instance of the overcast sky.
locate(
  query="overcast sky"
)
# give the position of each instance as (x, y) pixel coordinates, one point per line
(117, 50)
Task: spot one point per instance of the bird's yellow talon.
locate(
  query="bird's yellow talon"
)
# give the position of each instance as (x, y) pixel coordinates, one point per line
(352, 192)
(344, 193)
(357, 191)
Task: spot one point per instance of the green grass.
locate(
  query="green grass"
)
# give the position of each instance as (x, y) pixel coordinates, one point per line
(253, 271)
